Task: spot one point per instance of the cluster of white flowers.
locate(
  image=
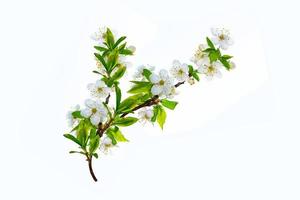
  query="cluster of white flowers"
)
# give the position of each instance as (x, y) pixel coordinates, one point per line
(222, 39)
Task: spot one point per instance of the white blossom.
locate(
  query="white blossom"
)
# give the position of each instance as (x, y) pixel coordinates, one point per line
(163, 84)
(140, 69)
(94, 110)
(99, 89)
(132, 48)
(99, 36)
(145, 114)
(200, 57)
(70, 118)
(232, 65)
(180, 71)
(123, 61)
(106, 145)
(221, 38)
(211, 70)
(191, 81)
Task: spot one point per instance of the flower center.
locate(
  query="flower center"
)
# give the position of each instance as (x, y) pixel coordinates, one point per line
(211, 69)
(180, 72)
(161, 82)
(94, 110)
(222, 37)
(100, 89)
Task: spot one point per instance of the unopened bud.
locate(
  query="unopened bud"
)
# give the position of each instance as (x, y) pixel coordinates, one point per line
(191, 81)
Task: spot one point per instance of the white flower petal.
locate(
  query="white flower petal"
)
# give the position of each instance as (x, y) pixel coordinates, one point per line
(90, 103)
(156, 89)
(154, 78)
(95, 119)
(86, 112)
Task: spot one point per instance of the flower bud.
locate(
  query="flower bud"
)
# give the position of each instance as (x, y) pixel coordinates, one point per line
(132, 48)
(191, 81)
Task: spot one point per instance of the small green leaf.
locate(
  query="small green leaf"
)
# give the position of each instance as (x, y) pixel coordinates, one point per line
(125, 52)
(227, 57)
(126, 121)
(109, 134)
(191, 69)
(121, 39)
(147, 73)
(225, 63)
(130, 102)
(140, 86)
(155, 113)
(109, 38)
(196, 76)
(169, 104)
(101, 59)
(161, 117)
(100, 48)
(118, 96)
(118, 135)
(209, 43)
(119, 73)
(73, 138)
(94, 144)
(77, 114)
(213, 56)
(95, 155)
(112, 60)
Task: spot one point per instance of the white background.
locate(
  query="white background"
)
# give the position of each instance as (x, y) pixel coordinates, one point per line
(233, 138)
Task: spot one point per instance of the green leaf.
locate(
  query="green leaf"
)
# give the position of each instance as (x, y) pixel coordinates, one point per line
(77, 114)
(191, 69)
(130, 102)
(73, 138)
(94, 144)
(80, 152)
(126, 121)
(196, 76)
(140, 87)
(147, 73)
(121, 39)
(125, 52)
(119, 73)
(109, 134)
(95, 155)
(112, 60)
(161, 117)
(101, 59)
(209, 43)
(213, 56)
(155, 113)
(225, 63)
(169, 104)
(227, 57)
(109, 38)
(100, 48)
(96, 72)
(118, 96)
(118, 135)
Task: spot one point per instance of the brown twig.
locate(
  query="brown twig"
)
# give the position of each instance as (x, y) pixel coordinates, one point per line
(89, 159)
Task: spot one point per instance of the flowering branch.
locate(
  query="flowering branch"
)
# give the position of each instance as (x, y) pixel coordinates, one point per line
(98, 125)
